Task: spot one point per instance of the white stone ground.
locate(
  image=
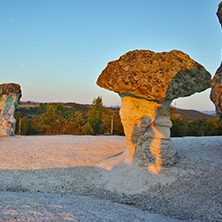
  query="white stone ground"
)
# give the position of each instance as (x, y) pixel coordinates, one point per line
(56, 178)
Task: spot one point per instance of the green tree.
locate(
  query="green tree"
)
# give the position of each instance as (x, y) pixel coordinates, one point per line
(53, 120)
(199, 127)
(74, 123)
(42, 108)
(95, 116)
(179, 127)
(179, 124)
(87, 129)
(17, 115)
(117, 125)
(106, 120)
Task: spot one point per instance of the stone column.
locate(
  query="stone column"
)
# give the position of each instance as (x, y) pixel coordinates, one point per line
(147, 129)
(147, 83)
(216, 84)
(10, 95)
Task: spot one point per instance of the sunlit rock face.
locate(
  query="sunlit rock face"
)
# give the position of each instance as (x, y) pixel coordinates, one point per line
(147, 83)
(216, 85)
(147, 128)
(10, 95)
(155, 76)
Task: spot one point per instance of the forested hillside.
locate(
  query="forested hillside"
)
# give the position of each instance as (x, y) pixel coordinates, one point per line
(67, 118)
(191, 114)
(96, 119)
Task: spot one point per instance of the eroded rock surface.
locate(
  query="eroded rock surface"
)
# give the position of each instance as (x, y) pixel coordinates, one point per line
(216, 85)
(155, 76)
(147, 83)
(10, 95)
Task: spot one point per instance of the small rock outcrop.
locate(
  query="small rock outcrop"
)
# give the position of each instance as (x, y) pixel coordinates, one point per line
(147, 82)
(10, 95)
(216, 85)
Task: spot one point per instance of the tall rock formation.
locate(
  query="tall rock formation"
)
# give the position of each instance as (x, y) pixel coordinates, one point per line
(10, 95)
(216, 85)
(147, 82)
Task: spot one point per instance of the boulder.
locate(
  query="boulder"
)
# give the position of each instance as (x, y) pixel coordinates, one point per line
(147, 82)
(216, 85)
(10, 95)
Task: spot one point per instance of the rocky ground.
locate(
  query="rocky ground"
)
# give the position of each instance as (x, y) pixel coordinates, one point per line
(56, 178)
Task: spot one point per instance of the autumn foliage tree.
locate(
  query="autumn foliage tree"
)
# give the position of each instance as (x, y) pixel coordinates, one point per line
(57, 119)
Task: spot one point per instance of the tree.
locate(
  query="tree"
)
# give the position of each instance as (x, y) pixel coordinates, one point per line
(95, 116)
(17, 116)
(199, 127)
(118, 127)
(74, 123)
(179, 127)
(87, 129)
(179, 124)
(52, 120)
(107, 118)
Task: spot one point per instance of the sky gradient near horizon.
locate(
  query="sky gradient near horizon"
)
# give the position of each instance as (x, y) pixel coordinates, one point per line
(56, 49)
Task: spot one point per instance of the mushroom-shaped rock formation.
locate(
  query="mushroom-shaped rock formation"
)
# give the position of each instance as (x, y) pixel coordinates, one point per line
(216, 85)
(147, 83)
(10, 95)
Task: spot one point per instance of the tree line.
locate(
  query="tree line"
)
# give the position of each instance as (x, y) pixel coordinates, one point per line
(57, 119)
(183, 126)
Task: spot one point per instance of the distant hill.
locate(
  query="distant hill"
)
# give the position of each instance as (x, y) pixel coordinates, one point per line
(73, 105)
(78, 107)
(192, 114)
(32, 109)
(35, 110)
(209, 112)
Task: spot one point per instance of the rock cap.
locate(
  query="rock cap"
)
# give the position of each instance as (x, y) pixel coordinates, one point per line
(155, 76)
(219, 12)
(13, 88)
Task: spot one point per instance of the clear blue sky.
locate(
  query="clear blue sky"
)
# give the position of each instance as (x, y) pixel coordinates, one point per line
(56, 49)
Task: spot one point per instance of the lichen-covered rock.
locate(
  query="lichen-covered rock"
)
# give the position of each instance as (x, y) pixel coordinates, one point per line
(219, 13)
(155, 76)
(216, 85)
(147, 83)
(216, 93)
(10, 95)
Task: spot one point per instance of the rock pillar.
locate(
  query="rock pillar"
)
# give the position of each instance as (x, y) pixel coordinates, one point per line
(216, 85)
(10, 95)
(147, 129)
(147, 83)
